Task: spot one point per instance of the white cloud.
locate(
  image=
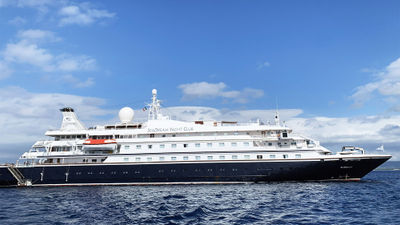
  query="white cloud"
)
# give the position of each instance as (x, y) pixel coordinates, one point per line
(82, 15)
(25, 52)
(28, 51)
(263, 65)
(76, 82)
(75, 63)
(17, 21)
(36, 35)
(387, 84)
(5, 71)
(205, 90)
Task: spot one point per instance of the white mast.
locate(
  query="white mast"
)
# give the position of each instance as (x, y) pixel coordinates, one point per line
(154, 107)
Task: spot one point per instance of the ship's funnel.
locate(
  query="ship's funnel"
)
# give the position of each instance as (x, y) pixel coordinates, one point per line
(70, 120)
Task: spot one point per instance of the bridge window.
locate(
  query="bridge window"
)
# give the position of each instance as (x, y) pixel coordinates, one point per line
(272, 156)
(173, 146)
(198, 157)
(209, 157)
(233, 144)
(234, 157)
(173, 158)
(221, 157)
(209, 145)
(298, 156)
(246, 143)
(285, 156)
(197, 145)
(138, 146)
(247, 156)
(185, 158)
(162, 158)
(221, 144)
(162, 146)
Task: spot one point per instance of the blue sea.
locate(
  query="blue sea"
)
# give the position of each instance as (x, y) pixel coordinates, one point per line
(373, 200)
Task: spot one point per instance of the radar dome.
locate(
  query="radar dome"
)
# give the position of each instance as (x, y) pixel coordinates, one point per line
(126, 115)
(154, 91)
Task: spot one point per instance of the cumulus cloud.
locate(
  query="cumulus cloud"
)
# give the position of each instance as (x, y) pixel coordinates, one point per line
(82, 15)
(28, 50)
(387, 84)
(68, 12)
(35, 35)
(25, 52)
(205, 90)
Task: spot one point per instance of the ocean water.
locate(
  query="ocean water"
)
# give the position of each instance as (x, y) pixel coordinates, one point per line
(373, 200)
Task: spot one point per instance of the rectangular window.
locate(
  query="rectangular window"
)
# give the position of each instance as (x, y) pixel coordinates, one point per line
(284, 134)
(209, 157)
(247, 156)
(173, 158)
(138, 147)
(233, 144)
(209, 145)
(185, 158)
(150, 146)
(234, 157)
(185, 145)
(272, 156)
(259, 157)
(162, 146)
(197, 145)
(298, 156)
(162, 158)
(126, 159)
(221, 157)
(270, 144)
(151, 135)
(173, 146)
(137, 159)
(198, 157)
(149, 159)
(285, 156)
(221, 144)
(246, 143)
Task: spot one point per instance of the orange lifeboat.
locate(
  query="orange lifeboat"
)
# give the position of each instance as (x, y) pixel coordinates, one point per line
(99, 141)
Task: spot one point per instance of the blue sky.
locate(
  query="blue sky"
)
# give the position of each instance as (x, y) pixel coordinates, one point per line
(330, 61)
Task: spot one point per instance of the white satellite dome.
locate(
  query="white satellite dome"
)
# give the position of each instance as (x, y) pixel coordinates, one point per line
(126, 114)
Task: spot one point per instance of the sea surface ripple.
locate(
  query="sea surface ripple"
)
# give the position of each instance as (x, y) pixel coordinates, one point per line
(373, 200)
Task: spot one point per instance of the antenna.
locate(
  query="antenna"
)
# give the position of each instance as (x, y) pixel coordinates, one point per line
(276, 113)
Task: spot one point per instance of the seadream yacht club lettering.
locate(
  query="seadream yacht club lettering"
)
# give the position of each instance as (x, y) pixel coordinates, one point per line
(171, 129)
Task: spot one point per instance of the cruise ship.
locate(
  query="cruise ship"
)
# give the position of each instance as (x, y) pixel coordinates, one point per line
(165, 151)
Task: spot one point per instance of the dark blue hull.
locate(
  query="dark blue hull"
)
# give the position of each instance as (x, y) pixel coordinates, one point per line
(195, 172)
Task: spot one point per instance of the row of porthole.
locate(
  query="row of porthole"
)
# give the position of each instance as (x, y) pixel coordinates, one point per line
(197, 145)
(221, 157)
(159, 171)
